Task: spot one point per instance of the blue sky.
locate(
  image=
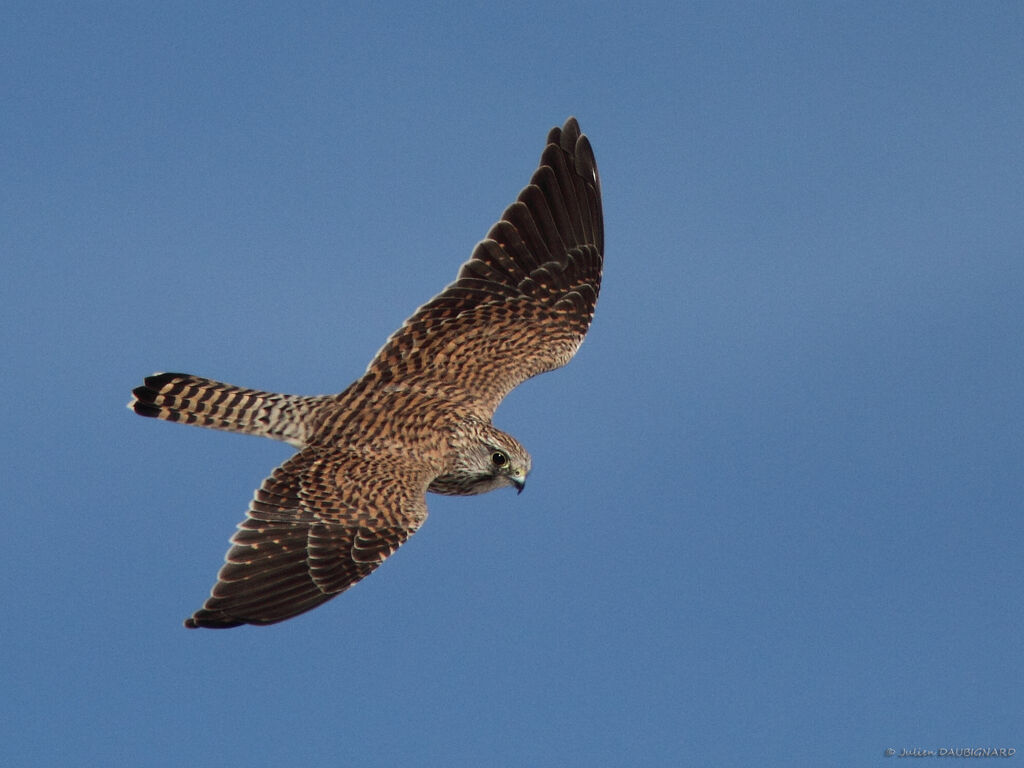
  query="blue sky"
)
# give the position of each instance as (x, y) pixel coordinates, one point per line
(775, 515)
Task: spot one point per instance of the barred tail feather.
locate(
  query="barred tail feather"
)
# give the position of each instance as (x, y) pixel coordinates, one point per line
(207, 403)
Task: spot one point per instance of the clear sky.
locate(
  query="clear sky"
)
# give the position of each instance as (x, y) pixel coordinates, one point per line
(775, 516)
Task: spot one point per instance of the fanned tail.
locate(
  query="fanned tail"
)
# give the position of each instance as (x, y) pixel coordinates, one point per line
(207, 403)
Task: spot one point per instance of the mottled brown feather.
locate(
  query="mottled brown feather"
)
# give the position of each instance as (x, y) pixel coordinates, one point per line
(504, 319)
(320, 523)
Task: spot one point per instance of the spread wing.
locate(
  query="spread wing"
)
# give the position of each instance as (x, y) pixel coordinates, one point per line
(523, 302)
(320, 523)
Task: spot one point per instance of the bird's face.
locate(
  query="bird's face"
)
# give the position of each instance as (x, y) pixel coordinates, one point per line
(486, 459)
(506, 463)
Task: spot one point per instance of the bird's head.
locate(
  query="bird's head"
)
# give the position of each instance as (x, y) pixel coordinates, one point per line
(486, 459)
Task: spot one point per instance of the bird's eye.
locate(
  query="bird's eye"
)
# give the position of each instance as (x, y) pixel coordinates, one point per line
(499, 459)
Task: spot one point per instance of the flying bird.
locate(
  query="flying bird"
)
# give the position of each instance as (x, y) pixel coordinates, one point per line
(419, 418)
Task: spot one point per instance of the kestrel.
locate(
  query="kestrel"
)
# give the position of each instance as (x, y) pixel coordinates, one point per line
(419, 419)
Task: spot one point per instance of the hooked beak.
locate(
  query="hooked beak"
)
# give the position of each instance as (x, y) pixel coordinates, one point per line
(519, 483)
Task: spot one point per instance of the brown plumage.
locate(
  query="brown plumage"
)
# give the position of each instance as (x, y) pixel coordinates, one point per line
(419, 419)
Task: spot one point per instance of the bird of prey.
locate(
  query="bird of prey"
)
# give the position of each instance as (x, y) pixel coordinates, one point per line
(419, 419)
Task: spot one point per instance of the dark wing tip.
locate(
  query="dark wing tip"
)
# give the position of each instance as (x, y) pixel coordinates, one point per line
(565, 136)
(574, 143)
(586, 163)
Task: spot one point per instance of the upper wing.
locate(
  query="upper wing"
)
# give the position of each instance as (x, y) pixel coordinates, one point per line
(523, 302)
(320, 523)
